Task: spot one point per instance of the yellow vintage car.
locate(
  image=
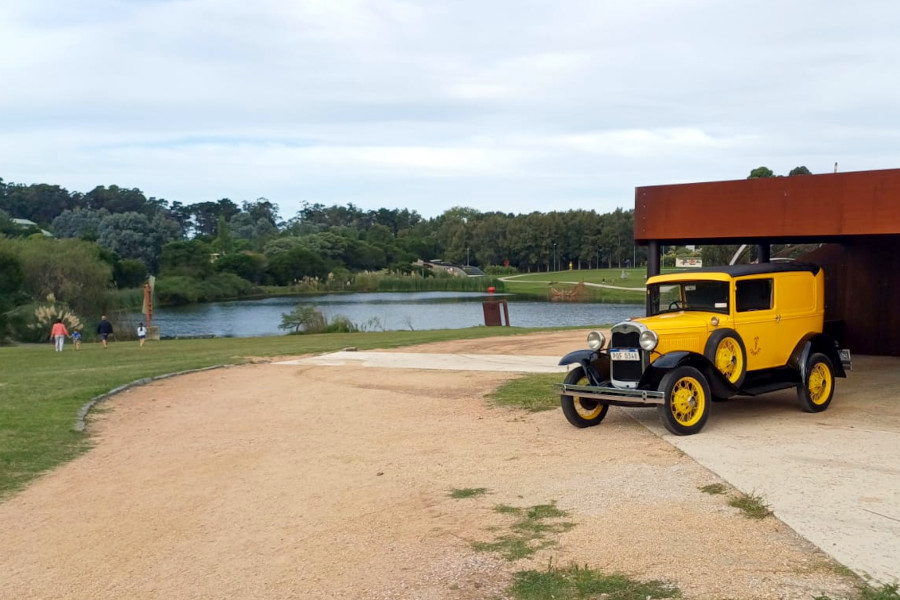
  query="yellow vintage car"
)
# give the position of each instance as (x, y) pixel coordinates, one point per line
(709, 334)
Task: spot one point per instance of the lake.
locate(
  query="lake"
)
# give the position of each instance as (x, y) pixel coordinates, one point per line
(381, 311)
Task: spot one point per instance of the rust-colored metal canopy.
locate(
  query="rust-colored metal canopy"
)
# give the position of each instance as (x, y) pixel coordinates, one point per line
(775, 209)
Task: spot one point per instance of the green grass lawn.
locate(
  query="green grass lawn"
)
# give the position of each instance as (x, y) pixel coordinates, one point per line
(41, 390)
(634, 278)
(540, 284)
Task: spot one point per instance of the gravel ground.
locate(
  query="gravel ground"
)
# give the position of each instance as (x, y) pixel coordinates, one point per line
(269, 481)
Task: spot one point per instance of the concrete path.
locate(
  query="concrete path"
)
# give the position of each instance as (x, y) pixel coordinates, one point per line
(834, 477)
(445, 362)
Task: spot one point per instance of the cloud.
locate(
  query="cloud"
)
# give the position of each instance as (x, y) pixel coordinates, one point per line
(432, 105)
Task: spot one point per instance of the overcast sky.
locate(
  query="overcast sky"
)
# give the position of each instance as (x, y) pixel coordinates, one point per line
(516, 106)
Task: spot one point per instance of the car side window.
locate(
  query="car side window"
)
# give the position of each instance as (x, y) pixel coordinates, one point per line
(706, 295)
(753, 294)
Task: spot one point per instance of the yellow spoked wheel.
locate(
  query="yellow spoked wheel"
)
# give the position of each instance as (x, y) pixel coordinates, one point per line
(687, 398)
(582, 412)
(730, 359)
(818, 386)
(726, 351)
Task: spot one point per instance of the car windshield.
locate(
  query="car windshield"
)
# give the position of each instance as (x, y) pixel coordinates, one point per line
(711, 296)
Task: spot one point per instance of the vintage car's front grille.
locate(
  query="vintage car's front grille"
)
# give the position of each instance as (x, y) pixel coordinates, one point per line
(626, 336)
(626, 370)
(621, 339)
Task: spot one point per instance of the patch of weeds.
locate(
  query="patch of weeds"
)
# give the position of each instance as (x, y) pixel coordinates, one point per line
(887, 591)
(533, 393)
(714, 489)
(528, 534)
(828, 565)
(545, 511)
(505, 509)
(752, 505)
(467, 492)
(535, 523)
(577, 582)
(512, 547)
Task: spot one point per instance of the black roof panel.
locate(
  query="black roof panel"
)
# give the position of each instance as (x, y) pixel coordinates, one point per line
(759, 269)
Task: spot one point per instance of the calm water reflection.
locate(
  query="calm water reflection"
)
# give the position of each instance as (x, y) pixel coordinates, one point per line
(381, 311)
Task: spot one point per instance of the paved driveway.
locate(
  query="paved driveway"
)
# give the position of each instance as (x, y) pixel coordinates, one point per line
(834, 477)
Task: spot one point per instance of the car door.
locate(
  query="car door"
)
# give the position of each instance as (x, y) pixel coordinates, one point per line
(757, 321)
(799, 309)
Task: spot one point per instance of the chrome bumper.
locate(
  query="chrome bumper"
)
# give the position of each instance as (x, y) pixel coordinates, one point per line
(611, 395)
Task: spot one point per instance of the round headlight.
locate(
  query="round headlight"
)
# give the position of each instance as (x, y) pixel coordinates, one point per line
(648, 340)
(595, 340)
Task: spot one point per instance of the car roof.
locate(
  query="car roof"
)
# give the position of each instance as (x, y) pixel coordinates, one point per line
(726, 272)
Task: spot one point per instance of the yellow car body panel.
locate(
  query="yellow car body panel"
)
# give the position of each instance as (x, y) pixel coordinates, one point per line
(770, 312)
(684, 330)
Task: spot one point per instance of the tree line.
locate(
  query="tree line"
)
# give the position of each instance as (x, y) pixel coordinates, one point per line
(147, 235)
(114, 237)
(84, 247)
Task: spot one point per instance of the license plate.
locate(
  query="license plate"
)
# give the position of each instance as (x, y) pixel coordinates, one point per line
(624, 355)
(845, 357)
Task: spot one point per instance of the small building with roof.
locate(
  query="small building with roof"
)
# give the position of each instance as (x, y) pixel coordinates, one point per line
(851, 219)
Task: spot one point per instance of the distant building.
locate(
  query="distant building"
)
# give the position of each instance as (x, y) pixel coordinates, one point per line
(439, 265)
(850, 222)
(26, 224)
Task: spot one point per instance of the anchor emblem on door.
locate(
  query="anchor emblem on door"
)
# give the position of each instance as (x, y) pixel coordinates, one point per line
(755, 349)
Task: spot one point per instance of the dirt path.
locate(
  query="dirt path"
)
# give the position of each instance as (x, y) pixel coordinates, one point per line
(269, 481)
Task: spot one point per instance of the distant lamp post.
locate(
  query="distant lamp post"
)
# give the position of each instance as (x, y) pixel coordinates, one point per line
(554, 257)
(467, 256)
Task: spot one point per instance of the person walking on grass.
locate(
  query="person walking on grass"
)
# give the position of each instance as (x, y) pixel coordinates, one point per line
(142, 333)
(76, 339)
(104, 330)
(58, 334)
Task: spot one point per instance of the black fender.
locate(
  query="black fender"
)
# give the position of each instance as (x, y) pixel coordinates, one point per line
(594, 362)
(718, 385)
(812, 343)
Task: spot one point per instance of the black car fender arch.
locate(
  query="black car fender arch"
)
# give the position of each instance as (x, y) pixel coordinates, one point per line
(812, 343)
(578, 357)
(595, 364)
(718, 385)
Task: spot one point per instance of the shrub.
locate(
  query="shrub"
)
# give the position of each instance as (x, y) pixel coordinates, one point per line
(500, 271)
(247, 265)
(32, 322)
(178, 289)
(222, 286)
(71, 270)
(338, 279)
(11, 281)
(341, 324)
(129, 273)
(304, 317)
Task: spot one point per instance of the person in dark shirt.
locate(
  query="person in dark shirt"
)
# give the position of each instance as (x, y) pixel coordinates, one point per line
(104, 330)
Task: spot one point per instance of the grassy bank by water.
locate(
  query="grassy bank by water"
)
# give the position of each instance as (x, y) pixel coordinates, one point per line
(540, 285)
(41, 390)
(381, 282)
